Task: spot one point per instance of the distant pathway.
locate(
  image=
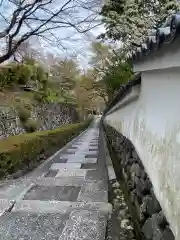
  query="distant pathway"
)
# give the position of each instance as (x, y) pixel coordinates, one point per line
(66, 198)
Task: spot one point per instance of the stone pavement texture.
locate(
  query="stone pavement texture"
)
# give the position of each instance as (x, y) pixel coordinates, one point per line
(65, 198)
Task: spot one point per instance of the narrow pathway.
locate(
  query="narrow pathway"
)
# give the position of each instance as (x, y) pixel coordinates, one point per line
(66, 198)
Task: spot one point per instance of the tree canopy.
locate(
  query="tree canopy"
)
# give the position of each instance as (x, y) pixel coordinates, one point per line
(130, 21)
(110, 70)
(64, 73)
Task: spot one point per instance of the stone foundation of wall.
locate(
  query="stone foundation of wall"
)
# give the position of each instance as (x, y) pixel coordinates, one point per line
(49, 116)
(148, 217)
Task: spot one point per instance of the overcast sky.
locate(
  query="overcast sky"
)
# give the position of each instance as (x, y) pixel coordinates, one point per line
(77, 45)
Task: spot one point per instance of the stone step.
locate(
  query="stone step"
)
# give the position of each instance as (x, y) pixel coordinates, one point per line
(58, 166)
(86, 225)
(78, 224)
(60, 206)
(71, 173)
(38, 220)
(32, 226)
(59, 181)
(82, 161)
(68, 201)
(93, 191)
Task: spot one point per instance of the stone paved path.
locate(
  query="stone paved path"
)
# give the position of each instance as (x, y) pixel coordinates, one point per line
(66, 198)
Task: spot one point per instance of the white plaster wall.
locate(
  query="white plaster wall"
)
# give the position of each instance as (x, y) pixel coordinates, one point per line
(133, 94)
(152, 123)
(167, 56)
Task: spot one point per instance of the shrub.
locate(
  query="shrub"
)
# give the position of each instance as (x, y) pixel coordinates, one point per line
(47, 96)
(28, 106)
(31, 126)
(6, 77)
(50, 96)
(16, 73)
(24, 114)
(3, 81)
(23, 151)
(23, 73)
(38, 97)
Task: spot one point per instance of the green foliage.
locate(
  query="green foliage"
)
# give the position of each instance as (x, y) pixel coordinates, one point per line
(29, 61)
(31, 126)
(51, 96)
(28, 106)
(47, 96)
(115, 76)
(13, 74)
(41, 75)
(110, 70)
(23, 151)
(20, 74)
(8, 76)
(38, 97)
(131, 20)
(23, 73)
(24, 114)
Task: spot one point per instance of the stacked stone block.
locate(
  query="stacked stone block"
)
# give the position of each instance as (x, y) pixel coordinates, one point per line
(150, 218)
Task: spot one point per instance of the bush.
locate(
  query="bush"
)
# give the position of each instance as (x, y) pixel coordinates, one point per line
(23, 151)
(38, 97)
(22, 73)
(24, 114)
(47, 96)
(31, 126)
(28, 106)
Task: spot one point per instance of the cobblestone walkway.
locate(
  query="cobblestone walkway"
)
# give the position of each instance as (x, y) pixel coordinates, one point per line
(66, 198)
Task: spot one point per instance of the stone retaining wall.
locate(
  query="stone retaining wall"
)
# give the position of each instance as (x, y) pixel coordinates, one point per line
(49, 116)
(146, 210)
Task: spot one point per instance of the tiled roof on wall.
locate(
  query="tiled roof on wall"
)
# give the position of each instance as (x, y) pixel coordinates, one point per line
(169, 31)
(166, 34)
(124, 89)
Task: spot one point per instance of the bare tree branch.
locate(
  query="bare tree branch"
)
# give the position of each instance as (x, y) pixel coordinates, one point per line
(38, 17)
(1, 2)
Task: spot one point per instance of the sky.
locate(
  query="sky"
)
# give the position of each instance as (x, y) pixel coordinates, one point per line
(76, 44)
(82, 46)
